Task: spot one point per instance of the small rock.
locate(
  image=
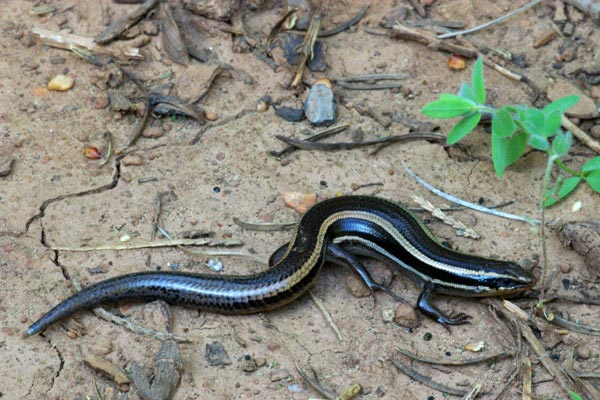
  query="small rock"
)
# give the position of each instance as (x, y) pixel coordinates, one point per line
(559, 14)
(273, 346)
(248, 364)
(279, 374)
(119, 102)
(583, 352)
(595, 131)
(61, 83)
(585, 107)
(568, 29)
(153, 132)
(289, 113)
(387, 315)
(133, 159)
(260, 362)
(57, 60)
(214, 9)
(216, 355)
(6, 166)
(406, 316)
(300, 202)
(319, 106)
(568, 54)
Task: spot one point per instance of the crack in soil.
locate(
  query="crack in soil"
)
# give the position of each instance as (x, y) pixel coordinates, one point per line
(46, 203)
(61, 360)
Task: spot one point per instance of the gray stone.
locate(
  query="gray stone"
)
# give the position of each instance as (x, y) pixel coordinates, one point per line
(319, 106)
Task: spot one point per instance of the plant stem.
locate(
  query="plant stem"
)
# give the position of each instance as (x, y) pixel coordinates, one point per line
(566, 169)
(551, 160)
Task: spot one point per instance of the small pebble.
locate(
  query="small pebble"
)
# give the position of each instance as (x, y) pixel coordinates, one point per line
(273, 346)
(211, 116)
(583, 352)
(260, 362)
(153, 132)
(406, 316)
(566, 268)
(300, 202)
(132, 159)
(387, 315)
(61, 83)
(97, 103)
(125, 238)
(279, 374)
(595, 131)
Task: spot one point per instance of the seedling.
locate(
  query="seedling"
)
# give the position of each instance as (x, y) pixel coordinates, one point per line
(513, 129)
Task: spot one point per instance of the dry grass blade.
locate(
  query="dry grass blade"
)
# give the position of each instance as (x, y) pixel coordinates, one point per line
(101, 364)
(473, 360)
(425, 380)
(327, 316)
(527, 380)
(461, 229)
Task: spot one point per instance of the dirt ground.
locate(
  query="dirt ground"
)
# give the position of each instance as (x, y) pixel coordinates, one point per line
(55, 200)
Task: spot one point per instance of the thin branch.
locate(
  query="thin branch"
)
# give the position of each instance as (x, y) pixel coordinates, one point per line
(466, 203)
(490, 23)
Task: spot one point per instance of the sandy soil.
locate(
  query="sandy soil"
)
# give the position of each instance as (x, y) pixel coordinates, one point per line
(56, 198)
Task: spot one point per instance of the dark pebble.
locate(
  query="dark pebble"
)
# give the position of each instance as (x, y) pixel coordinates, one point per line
(290, 114)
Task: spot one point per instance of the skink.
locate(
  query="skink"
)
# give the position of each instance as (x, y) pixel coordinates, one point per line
(334, 230)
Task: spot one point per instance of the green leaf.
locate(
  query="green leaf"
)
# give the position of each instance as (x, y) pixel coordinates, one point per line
(564, 188)
(466, 91)
(463, 127)
(478, 82)
(534, 121)
(591, 165)
(506, 151)
(561, 143)
(575, 396)
(502, 123)
(449, 106)
(593, 180)
(562, 104)
(553, 122)
(538, 142)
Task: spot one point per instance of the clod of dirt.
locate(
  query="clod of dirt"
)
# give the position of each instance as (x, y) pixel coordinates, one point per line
(585, 107)
(279, 374)
(584, 238)
(406, 316)
(300, 202)
(165, 374)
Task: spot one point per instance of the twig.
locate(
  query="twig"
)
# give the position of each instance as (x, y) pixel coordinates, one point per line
(327, 316)
(403, 32)
(317, 136)
(469, 361)
(580, 134)
(306, 48)
(368, 86)
(308, 145)
(205, 253)
(370, 77)
(221, 122)
(314, 383)
(425, 380)
(99, 363)
(263, 227)
(466, 203)
(490, 23)
(158, 243)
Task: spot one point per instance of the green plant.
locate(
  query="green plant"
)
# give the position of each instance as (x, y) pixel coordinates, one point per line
(515, 127)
